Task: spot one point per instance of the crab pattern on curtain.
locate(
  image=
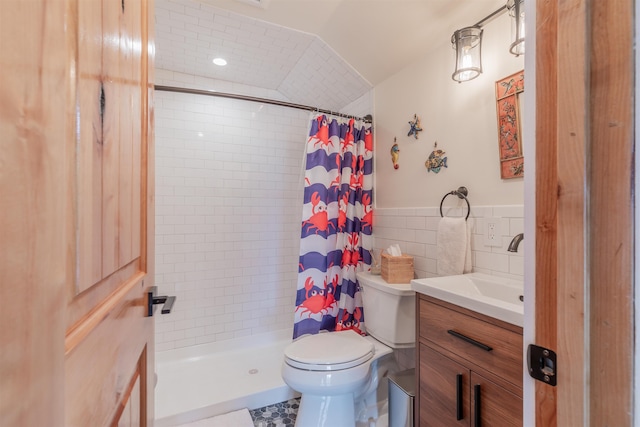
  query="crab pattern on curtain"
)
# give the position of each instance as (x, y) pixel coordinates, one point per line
(336, 238)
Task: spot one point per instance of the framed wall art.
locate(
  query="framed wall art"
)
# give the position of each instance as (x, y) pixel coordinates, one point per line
(509, 97)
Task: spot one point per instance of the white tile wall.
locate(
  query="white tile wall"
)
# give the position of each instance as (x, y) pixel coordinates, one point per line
(415, 230)
(323, 79)
(189, 34)
(190, 81)
(228, 215)
(301, 66)
(361, 106)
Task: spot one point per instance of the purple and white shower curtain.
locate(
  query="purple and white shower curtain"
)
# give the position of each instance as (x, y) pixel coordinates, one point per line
(336, 240)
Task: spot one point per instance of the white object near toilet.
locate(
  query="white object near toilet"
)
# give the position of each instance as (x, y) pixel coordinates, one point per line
(337, 373)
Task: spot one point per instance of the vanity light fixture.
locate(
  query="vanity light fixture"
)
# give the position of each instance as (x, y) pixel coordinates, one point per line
(468, 45)
(516, 12)
(468, 41)
(220, 61)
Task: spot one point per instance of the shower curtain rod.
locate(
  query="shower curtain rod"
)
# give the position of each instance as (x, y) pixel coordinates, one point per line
(367, 119)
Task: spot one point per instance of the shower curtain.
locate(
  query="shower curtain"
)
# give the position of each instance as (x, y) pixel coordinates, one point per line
(336, 240)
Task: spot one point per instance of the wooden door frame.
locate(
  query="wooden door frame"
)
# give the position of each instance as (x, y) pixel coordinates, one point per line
(584, 132)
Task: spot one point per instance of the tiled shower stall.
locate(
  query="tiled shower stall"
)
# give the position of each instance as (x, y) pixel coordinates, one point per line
(228, 210)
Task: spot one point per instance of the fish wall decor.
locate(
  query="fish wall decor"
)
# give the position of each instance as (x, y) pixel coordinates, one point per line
(436, 160)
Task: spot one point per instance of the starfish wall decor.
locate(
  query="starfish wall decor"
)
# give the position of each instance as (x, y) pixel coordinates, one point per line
(415, 126)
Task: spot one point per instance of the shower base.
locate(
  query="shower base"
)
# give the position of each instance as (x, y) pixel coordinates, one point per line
(211, 379)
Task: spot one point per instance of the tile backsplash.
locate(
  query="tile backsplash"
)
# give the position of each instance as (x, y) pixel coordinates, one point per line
(415, 230)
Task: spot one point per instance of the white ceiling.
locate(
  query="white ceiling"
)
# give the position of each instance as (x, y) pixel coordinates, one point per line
(327, 51)
(377, 37)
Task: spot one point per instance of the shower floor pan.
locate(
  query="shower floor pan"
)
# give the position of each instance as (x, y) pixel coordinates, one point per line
(212, 379)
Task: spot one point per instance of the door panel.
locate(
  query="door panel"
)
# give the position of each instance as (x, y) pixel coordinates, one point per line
(77, 227)
(89, 138)
(101, 370)
(109, 146)
(109, 343)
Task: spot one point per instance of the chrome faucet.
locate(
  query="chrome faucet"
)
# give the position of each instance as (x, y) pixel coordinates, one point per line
(515, 242)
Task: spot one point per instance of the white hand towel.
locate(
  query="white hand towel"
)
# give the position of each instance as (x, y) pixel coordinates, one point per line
(453, 247)
(467, 258)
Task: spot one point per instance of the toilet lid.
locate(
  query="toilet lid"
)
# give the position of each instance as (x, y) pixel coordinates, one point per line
(329, 351)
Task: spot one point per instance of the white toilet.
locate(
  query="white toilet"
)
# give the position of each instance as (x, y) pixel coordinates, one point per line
(337, 373)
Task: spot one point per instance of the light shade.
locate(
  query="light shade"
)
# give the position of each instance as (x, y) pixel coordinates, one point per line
(516, 12)
(468, 45)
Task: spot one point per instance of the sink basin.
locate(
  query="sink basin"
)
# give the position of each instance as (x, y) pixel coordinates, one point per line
(489, 295)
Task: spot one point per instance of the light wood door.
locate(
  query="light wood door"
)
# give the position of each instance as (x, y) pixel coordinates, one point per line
(584, 209)
(76, 230)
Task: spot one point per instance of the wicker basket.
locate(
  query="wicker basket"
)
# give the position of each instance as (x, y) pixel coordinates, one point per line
(397, 269)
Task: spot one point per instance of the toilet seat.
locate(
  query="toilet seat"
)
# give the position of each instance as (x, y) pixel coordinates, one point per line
(332, 351)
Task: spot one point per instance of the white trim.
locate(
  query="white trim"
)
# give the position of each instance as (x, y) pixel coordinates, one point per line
(529, 402)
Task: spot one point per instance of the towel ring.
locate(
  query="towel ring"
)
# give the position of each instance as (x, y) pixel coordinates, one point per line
(461, 192)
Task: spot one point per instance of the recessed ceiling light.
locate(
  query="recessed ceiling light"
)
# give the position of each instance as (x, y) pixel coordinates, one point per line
(220, 61)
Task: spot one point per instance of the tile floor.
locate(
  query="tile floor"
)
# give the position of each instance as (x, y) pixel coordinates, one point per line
(281, 414)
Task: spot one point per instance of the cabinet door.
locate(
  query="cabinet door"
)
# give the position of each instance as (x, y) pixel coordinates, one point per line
(444, 390)
(492, 405)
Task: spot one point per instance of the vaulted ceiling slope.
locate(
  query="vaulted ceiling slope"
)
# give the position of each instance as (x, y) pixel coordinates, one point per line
(324, 53)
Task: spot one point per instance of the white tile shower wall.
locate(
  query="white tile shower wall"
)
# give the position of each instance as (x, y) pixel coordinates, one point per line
(191, 33)
(415, 230)
(228, 208)
(299, 65)
(179, 79)
(338, 86)
(361, 106)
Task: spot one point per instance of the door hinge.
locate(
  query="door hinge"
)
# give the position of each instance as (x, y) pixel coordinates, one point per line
(542, 364)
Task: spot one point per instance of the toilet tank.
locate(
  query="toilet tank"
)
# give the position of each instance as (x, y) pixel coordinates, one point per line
(389, 310)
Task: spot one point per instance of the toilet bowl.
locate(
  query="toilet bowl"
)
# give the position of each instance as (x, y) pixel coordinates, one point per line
(333, 373)
(338, 373)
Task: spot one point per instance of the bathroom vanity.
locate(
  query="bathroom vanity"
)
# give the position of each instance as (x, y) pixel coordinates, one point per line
(469, 365)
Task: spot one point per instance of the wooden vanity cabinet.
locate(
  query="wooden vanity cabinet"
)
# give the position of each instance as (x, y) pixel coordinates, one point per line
(461, 382)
